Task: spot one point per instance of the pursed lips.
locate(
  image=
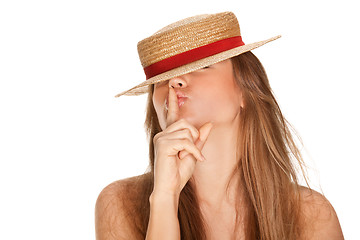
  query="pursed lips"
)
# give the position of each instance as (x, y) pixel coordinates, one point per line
(181, 100)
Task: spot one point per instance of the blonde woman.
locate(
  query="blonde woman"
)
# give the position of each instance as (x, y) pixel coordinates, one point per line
(223, 161)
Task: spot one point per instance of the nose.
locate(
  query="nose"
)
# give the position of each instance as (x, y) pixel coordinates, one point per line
(178, 82)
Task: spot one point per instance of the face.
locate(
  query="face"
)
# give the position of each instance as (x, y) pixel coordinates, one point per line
(212, 95)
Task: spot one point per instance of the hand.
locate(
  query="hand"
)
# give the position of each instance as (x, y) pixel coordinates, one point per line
(177, 149)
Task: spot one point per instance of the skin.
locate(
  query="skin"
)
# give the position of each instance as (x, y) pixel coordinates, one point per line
(190, 133)
(212, 86)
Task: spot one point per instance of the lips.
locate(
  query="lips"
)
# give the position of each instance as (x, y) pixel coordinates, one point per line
(181, 100)
(180, 95)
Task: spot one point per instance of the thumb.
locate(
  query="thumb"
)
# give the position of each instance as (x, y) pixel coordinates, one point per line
(204, 133)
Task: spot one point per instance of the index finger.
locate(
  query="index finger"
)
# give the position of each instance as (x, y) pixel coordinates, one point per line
(173, 109)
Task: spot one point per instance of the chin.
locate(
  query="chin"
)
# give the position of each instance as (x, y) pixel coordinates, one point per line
(195, 121)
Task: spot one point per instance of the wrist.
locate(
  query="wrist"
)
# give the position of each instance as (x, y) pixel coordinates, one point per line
(163, 221)
(164, 199)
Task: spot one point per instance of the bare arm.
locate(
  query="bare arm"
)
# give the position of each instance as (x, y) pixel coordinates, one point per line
(163, 222)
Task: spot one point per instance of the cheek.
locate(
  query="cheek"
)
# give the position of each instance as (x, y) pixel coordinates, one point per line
(220, 103)
(226, 105)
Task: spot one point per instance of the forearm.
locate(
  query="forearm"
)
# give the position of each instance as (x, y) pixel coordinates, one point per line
(163, 221)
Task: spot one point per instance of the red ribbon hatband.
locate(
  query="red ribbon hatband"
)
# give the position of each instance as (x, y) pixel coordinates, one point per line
(192, 56)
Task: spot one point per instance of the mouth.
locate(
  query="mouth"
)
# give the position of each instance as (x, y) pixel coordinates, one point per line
(181, 102)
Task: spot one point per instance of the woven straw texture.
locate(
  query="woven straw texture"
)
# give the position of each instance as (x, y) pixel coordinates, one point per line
(185, 35)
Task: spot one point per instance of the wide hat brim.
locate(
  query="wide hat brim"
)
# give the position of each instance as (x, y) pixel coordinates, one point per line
(142, 88)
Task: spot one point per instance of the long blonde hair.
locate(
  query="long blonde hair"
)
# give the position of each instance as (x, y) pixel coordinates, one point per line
(267, 166)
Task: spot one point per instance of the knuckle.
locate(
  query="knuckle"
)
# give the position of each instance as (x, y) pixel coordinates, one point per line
(160, 142)
(157, 136)
(182, 120)
(186, 131)
(188, 134)
(190, 127)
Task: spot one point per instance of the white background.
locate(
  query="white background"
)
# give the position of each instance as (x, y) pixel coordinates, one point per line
(64, 137)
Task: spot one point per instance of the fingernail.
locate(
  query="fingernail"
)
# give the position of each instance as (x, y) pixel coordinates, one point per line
(203, 158)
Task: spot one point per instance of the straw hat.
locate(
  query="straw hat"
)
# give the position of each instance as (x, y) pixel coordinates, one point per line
(189, 45)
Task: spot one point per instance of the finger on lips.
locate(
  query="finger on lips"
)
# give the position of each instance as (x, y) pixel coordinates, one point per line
(173, 109)
(173, 117)
(173, 124)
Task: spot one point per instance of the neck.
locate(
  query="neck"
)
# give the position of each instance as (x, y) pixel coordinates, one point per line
(212, 177)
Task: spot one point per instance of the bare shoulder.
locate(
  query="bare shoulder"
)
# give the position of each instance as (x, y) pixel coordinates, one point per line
(111, 209)
(319, 217)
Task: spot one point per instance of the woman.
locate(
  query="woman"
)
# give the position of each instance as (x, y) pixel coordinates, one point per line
(223, 162)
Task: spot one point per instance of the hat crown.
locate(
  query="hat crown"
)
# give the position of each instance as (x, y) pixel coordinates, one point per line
(187, 34)
(189, 45)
